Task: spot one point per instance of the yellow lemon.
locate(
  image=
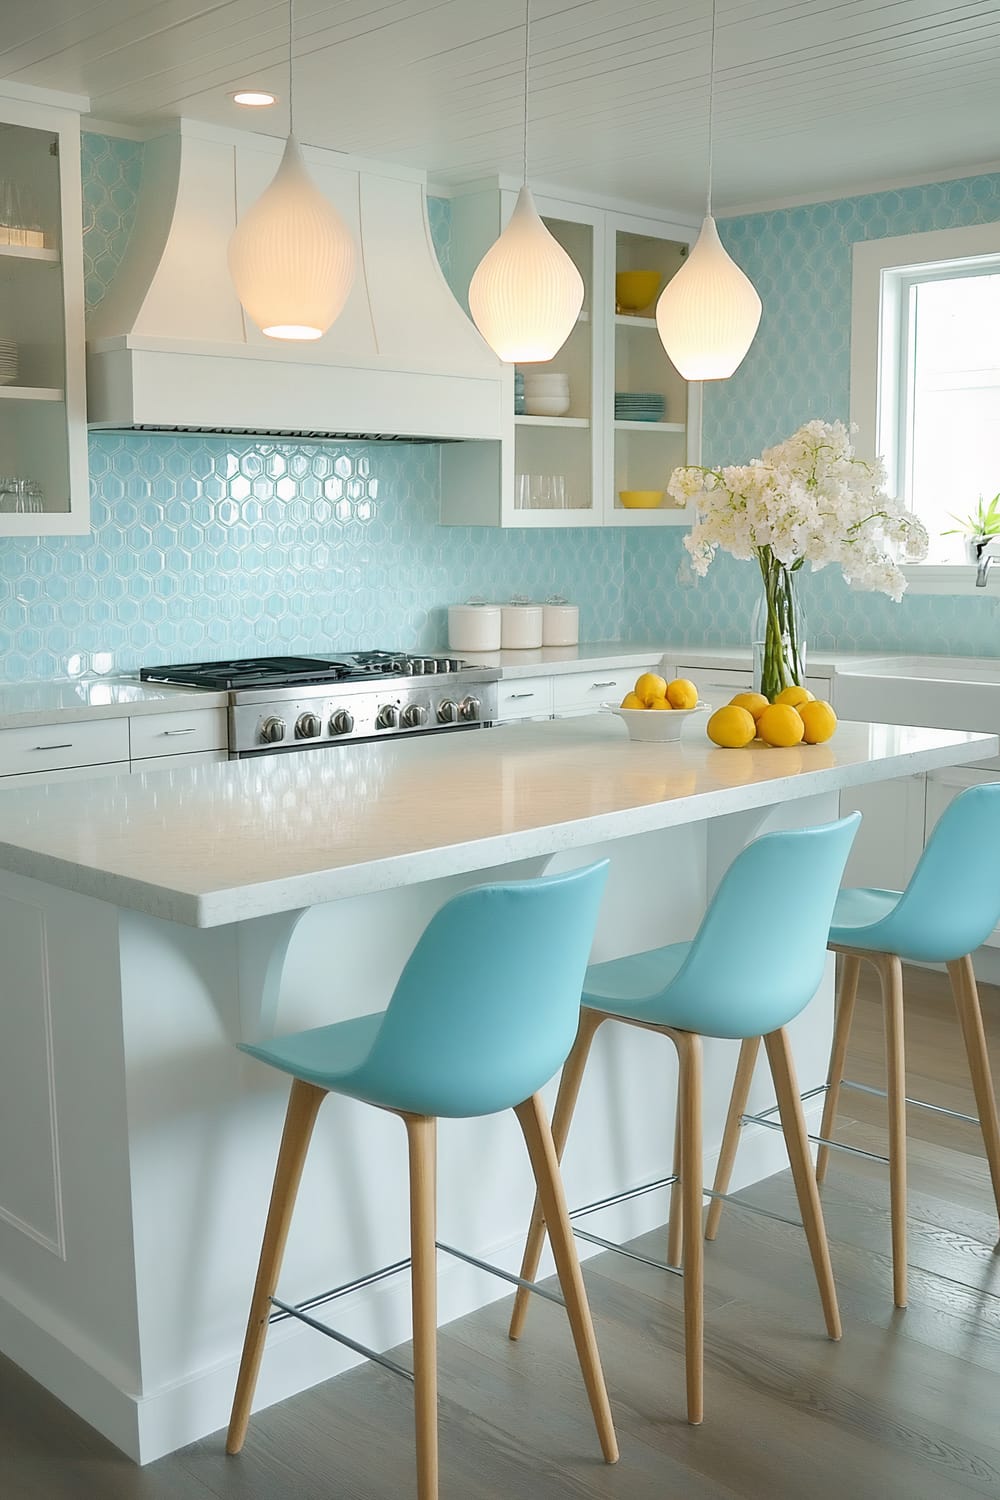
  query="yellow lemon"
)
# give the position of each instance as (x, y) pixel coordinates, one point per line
(780, 725)
(660, 703)
(793, 696)
(650, 686)
(754, 703)
(819, 721)
(732, 727)
(682, 693)
(632, 700)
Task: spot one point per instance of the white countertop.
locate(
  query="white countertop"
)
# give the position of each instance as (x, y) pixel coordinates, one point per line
(554, 660)
(74, 699)
(222, 843)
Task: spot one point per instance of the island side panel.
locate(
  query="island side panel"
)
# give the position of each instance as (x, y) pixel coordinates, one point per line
(67, 1269)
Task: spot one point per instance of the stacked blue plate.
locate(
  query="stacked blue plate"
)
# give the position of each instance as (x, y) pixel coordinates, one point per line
(639, 406)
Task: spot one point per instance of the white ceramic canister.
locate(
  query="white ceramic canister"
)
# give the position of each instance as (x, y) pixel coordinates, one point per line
(474, 626)
(520, 625)
(560, 622)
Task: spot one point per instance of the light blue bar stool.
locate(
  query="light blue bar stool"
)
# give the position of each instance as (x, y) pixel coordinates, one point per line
(949, 908)
(780, 888)
(482, 1017)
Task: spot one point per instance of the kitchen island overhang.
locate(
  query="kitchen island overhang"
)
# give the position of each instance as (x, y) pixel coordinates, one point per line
(135, 1174)
(224, 843)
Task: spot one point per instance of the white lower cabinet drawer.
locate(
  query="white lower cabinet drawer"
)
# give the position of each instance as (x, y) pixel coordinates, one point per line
(55, 747)
(75, 773)
(524, 698)
(584, 692)
(178, 733)
(178, 762)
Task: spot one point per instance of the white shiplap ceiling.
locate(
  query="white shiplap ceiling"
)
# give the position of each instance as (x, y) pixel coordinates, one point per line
(813, 98)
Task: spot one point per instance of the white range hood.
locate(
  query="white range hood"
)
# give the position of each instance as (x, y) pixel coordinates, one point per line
(170, 347)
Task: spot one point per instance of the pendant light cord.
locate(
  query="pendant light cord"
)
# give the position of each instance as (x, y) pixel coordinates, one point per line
(524, 144)
(291, 110)
(711, 113)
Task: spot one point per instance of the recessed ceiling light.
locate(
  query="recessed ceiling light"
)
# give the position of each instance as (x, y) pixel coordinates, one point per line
(254, 98)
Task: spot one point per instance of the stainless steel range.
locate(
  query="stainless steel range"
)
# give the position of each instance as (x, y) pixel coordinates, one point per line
(284, 703)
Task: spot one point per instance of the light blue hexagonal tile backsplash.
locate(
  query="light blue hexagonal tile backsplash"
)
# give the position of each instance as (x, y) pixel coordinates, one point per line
(206, 547)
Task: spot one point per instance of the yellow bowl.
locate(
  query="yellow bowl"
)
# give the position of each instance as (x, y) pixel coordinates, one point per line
(635, 290)
(641, 499)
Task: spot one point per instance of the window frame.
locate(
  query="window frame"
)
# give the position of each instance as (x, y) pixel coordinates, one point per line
(884, 271)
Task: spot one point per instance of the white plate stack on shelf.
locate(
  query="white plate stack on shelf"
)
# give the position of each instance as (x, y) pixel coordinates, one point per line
(546, 393)
(8, 362)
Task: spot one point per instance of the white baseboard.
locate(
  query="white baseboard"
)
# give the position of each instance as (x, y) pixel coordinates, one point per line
(297, 1358)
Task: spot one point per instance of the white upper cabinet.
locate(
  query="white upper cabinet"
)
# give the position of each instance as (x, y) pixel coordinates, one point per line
(43, 431)
(568, 469)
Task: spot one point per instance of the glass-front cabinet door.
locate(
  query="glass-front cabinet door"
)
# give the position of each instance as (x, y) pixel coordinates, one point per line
(43, 434)
(558, 454)
(653, 415)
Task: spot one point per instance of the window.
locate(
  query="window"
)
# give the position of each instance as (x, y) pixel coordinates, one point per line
(925, 372)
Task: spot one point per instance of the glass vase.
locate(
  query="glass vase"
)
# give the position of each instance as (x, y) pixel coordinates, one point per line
(778, 632)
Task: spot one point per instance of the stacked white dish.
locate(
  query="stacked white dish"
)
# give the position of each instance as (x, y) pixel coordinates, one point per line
(8, 361)
(639, 406)
(546, 393)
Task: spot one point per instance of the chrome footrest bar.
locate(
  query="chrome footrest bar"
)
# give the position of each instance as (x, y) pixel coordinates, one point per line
(753, 1207)
(372, 1278)
(300, 1310)
(595, 1239)
(484, 1265)
(821, 1088)
(819, 1140)
(937, 1109)
(629, 1193)
(342, 1338)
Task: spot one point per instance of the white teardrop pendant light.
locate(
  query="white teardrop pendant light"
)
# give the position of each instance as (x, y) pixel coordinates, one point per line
(707, 315)
(291, 256)
(526, 293)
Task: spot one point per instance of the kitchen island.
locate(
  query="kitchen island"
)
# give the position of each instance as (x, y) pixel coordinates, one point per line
(149, 925)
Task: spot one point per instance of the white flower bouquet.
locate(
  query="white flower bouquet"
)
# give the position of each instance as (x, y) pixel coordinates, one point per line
(808, 499)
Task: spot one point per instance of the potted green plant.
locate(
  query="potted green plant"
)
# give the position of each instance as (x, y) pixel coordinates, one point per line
(978, 527)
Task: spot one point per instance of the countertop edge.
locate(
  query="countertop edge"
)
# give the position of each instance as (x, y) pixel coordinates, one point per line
(227, 906)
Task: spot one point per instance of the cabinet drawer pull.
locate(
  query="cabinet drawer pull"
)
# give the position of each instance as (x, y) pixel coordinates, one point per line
(67, 746)
(612, 683)
(520, 695)
(168, 733)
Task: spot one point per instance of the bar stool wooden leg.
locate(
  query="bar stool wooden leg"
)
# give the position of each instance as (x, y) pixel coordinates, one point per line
(569, 1089)
(966, 992)
(689, 1053)
(731, 1135)
(849, 975)
(675, 1224)
(545, 1165)
(421, 1132)
(300, 1117)
(793, 1124)
(891, 973)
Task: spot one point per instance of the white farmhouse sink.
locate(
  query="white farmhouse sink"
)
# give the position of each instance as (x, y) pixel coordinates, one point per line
(927, 668)
(935, 692)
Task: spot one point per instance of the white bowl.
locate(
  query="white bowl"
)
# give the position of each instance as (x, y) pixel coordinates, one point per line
(546, 406)
(543, 378)
(654, 723)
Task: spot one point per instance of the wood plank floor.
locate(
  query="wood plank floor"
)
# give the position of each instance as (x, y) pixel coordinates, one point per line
(904, 1406)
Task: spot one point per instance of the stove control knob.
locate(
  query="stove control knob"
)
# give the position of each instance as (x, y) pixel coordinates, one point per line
(469, 708)
(447, 711)
(272, 730)
(387, 717)
(342, 722)
(413, 715)
(308, 726)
